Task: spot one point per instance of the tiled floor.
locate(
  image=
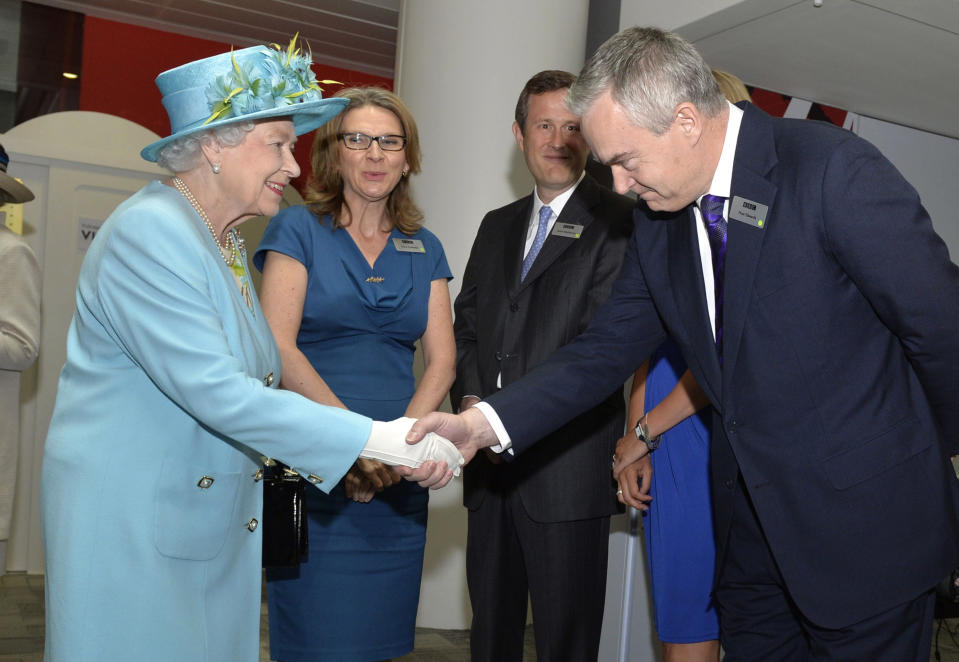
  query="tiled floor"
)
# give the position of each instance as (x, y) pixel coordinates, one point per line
(21, 618)
(21, 629)
(946, 635)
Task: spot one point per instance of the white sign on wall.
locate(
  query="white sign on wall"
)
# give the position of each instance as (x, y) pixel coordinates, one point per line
(87, 231)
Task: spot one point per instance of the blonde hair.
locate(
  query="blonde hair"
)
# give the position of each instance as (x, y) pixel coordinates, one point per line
(731, 87)
(324, 194)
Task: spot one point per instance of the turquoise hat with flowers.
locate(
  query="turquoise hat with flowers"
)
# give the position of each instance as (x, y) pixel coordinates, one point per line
(249, 84)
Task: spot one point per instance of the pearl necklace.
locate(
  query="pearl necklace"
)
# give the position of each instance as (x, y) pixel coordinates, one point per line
(231, 235)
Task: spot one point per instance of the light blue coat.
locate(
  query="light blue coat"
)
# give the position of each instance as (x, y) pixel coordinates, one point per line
(166, 386)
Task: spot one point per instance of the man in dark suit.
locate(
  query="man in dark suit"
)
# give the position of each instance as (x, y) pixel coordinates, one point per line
(818, 310)
(538, 270)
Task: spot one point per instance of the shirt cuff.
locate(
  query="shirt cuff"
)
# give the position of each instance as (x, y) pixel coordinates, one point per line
(494, 422)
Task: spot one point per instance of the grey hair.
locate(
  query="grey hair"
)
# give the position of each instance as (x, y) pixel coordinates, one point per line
(648, 72)
(184, 153)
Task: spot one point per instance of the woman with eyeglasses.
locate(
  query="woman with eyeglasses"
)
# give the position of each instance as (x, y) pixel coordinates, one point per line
(350, 282)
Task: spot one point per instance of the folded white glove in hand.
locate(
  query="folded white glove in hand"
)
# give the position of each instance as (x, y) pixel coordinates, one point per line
(387, 443)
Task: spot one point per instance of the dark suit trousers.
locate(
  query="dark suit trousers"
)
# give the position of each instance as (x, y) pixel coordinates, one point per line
(759, 621)
(562, 565)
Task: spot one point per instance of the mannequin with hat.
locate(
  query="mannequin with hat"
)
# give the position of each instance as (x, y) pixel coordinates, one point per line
(19, 333)
(169, 401)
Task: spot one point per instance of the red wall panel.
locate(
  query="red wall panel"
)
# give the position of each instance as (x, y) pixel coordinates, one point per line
(121, 61)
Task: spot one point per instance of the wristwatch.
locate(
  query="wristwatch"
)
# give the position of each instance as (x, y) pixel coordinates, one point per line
(642, 433)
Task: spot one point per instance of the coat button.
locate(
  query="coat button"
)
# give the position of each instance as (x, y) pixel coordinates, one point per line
(258, 476)
(514, 307)
(252, 524)
(313, 478)
(205, 482)
(268, 380)
(499, 356)
(730, 484)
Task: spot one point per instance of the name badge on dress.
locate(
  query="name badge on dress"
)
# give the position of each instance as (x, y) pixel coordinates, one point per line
(404, 245)
(748, 212)
(570, 230)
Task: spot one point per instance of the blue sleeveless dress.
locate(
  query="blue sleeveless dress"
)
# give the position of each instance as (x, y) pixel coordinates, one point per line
(356, 596)
(678, 525)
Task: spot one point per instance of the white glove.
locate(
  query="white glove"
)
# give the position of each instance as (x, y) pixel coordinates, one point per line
(387, 443)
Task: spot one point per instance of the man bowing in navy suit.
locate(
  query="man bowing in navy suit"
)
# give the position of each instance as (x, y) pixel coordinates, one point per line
(818, 310)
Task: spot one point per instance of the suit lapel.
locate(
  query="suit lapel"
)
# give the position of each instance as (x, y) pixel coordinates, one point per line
(575, 212)
(514, 242)
(755, 156)
(686, 281)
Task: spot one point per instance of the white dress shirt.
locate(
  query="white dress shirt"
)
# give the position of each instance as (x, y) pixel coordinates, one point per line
(721, 186)
(556, 205)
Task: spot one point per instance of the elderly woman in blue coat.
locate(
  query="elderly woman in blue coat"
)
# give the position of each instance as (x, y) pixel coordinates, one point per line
(168, 402)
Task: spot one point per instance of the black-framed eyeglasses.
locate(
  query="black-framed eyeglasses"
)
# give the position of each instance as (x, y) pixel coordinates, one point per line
(389, 143)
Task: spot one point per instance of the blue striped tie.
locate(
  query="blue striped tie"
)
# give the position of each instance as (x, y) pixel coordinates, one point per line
(544, 215)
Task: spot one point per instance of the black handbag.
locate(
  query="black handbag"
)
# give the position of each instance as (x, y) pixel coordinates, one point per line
(285, 542)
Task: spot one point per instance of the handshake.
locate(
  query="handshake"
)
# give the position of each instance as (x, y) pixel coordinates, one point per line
(422, 450)
(432, 454)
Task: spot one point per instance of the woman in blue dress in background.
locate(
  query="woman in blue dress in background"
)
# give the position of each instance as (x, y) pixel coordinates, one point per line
(350, 282)
(671, 486)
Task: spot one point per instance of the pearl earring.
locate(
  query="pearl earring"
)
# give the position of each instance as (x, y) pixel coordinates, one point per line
(216, 168)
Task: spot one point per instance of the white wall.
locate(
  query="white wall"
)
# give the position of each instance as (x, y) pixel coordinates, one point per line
(668, 14)
(930, 163)
(927, 160)
(460, 68)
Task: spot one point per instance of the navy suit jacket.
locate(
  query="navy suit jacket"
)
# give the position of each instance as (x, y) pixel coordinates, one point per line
(507, 326)
(838, 399)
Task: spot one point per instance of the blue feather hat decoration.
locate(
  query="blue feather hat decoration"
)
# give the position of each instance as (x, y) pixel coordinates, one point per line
(249, 84)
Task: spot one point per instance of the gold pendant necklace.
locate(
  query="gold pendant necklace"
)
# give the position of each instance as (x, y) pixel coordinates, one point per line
(231, 235)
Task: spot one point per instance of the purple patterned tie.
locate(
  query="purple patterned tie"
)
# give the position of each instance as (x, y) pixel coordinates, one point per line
(711, 207)
(544, 215)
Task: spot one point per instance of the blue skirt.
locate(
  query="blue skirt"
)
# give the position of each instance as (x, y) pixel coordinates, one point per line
(678, 526)
(355, 598)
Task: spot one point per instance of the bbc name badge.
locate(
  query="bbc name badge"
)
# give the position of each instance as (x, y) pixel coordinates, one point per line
(404, 245)
(748, 212)
(570, 230)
